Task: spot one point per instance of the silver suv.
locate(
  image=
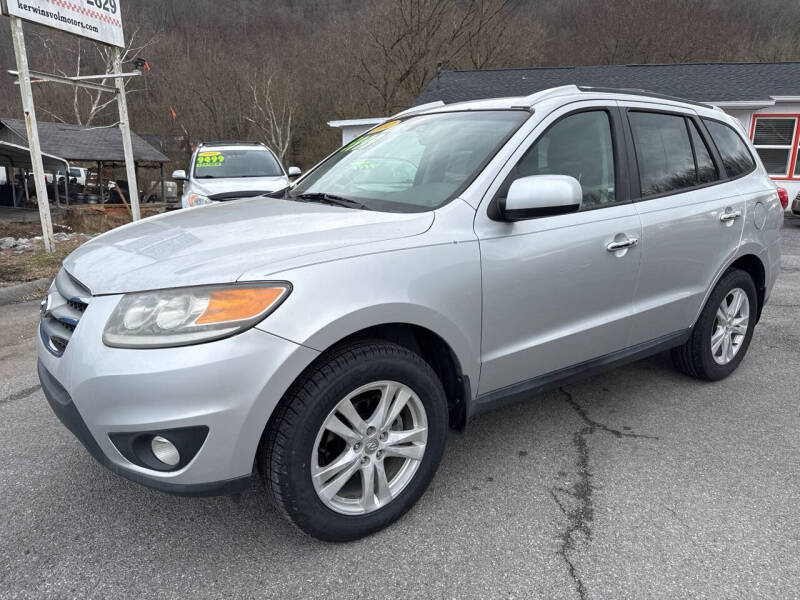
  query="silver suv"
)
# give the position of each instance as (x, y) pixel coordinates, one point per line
(448, 261)
(221, 171)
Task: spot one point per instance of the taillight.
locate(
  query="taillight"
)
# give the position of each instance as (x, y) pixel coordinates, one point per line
(783, 196)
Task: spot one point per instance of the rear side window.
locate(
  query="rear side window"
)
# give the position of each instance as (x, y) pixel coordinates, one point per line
(735, 155)
(706, 169)
(579, 145)
(663, 153)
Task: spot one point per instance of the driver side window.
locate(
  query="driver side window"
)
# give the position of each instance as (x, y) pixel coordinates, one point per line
(579, 145)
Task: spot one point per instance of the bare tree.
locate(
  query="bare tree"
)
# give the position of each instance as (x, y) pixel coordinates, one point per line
(233, 70)
(72, 57)
(400, 44)
(494, 37)
(271, 115)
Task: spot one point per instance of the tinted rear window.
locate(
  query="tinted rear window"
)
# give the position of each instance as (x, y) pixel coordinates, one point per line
(663, 153)
(736, 157)
(706, 169)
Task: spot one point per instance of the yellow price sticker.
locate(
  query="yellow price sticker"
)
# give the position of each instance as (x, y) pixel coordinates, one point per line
(385, 126)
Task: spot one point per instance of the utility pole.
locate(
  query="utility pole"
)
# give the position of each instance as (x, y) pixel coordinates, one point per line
(33, 134)
(124, 127)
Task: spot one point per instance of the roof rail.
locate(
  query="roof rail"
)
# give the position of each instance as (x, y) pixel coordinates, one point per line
(563, 90)
(416, 109)
(229, 143)
(641, 92)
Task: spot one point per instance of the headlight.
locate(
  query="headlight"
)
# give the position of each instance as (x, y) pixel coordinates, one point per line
(199, 200)
(183, 316)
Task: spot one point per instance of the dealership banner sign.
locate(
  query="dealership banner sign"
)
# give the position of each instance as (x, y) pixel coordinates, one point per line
(99, 20)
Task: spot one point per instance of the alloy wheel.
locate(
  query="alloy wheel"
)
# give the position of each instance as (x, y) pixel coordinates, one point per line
(730, 326)
(369, 447)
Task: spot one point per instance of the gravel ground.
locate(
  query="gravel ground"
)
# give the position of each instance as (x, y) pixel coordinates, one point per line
(640, 483)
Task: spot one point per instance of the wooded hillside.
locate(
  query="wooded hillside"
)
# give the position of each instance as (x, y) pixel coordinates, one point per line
(278, 70)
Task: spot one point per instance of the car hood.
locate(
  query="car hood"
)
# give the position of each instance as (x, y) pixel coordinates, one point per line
(210, 187)
(219, 243)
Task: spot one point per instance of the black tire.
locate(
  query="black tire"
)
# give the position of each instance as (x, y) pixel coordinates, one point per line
(694, 358)
(285, 456)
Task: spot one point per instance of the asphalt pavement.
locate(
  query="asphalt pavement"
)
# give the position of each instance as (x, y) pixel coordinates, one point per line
(640, 483)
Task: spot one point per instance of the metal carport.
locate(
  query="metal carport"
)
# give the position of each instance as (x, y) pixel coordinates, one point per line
(82, 143)
(14, 156)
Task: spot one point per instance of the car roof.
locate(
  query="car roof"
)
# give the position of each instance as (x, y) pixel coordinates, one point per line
(566, 94)
(233, 146)
(230, 143)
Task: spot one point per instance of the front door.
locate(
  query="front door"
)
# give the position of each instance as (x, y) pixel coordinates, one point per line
(554, 293)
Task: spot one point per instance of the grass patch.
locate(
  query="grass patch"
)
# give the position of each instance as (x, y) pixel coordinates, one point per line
(16, 268)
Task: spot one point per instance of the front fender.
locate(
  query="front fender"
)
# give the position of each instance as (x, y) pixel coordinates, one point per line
(437, 287)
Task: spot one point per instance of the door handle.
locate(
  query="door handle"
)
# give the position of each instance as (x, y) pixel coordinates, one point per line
(629, 243)
(730, 216)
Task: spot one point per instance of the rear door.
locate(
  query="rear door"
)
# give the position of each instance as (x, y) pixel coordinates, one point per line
(692, 209)
(554, 293)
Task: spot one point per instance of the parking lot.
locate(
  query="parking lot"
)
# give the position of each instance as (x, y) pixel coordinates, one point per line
(640, 483)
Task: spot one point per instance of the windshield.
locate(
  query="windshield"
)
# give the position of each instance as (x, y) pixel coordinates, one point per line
(74, 172)
(238, 162)
(413, 164)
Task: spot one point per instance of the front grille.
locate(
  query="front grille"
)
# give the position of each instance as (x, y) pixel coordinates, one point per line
(65, 304)
(77, 305)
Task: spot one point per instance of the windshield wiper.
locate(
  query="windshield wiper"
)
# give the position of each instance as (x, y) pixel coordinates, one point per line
(279, 194)
(332, 199)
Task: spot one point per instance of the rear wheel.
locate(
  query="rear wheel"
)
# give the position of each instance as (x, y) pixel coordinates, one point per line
(722, 334)
(356, 440)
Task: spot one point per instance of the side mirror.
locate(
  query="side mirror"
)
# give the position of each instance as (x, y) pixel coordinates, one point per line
(179, 175)
(295, 172)
(541, 196)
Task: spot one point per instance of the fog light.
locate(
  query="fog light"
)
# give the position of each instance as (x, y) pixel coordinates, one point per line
(165, 451)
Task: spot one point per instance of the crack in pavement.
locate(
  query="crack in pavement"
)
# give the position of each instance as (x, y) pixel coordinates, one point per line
(594, 425)
(21, 394)
(579, 518)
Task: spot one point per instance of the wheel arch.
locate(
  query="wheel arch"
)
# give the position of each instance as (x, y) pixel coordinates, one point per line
(752, 265)
(422, 340)
(459, 332)
(425, 341)
(747, 260)
(437, 352)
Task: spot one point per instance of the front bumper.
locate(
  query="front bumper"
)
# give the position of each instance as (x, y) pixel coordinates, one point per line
(66, 412)
(230, 386)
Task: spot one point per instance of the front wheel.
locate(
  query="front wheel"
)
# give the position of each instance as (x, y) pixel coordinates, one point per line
(356, 441)
(723, 331)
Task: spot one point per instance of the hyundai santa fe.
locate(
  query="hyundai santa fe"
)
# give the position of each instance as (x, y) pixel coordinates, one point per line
(222, 171)
(448, 261)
